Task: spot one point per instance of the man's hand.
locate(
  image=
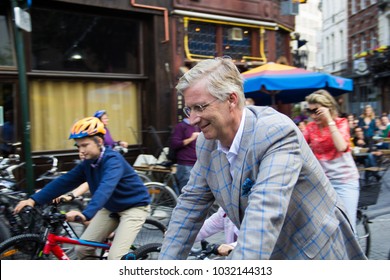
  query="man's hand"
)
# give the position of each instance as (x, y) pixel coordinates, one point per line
(75, 216)
(28, 202)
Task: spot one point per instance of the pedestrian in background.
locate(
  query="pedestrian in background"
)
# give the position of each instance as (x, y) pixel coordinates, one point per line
(183, 141)
(367, 122)
(256, 164)
(249, 101)
(329, 138)
(352, 122)
(373, 154)
(108, 141)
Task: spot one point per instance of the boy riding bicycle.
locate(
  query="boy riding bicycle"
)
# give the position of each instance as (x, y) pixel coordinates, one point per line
(116, 190)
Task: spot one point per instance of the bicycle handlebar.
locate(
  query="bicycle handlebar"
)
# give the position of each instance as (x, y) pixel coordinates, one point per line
(78, 219)
(206, 250)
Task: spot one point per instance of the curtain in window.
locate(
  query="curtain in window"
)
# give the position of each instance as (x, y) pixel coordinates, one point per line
(56, 105)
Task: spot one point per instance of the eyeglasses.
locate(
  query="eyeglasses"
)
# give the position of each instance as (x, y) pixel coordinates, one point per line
(311, 111)
(197, 108)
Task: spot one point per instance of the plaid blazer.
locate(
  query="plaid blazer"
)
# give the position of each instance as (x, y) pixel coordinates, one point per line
(279, 197)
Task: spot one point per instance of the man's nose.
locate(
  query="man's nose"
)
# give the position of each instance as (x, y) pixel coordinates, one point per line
(194, 118)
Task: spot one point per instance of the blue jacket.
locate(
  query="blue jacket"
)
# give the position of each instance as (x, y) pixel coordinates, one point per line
(113, 184)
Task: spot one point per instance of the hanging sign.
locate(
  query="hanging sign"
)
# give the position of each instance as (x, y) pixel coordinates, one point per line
(22, 19)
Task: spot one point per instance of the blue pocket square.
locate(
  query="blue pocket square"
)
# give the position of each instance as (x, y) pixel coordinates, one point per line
(247, 186)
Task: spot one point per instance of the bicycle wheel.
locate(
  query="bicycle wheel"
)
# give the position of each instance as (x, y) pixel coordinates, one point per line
(22, 247)
(4, 231)
(144, 177)
(363, 232)
(164, 199)
(148, 252)
(152, 231)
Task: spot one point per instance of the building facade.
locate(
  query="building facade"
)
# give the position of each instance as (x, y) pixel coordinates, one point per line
(362, 36)
(334, 36)
(355, 45)
(124, 56)
(308, 26)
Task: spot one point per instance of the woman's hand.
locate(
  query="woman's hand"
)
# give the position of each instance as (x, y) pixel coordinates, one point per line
(225, 249)
(123, 144)
(324, 114)
(195, 135)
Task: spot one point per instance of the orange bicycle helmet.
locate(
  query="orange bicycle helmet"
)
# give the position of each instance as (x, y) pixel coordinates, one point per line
(87, 127)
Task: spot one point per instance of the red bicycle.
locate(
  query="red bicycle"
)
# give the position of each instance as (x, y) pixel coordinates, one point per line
(52, 244)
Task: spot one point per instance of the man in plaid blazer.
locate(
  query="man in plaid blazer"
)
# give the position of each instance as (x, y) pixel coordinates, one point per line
(256, 164)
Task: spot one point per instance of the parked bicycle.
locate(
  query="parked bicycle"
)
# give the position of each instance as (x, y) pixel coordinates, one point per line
(27, 221)
(52, 173)
(49, 244)
(30, 219)
(163, 201)
(369, 192)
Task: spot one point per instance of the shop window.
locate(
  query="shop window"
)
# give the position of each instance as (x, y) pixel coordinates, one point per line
(8, 119)
(202, 39)
(280, 45)
(7, 55)
(236, 42)
(71, 41)
(56, 105)
(213, 38)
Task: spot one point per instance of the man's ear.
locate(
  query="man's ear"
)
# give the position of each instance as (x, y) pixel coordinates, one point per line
(233, 98)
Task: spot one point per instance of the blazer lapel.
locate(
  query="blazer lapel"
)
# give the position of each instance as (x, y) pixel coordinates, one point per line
(224, 181)
(241, 170)
(230, 190)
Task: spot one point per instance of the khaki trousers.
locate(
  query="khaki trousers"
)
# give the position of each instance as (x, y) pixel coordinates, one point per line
(126, 229)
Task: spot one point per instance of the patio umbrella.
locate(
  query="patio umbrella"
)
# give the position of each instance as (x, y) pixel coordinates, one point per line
(272, 83)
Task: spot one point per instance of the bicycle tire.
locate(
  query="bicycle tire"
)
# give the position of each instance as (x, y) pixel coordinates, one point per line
(148, 252)
(22, 247)
(144, 177)
(363, 232)
(163, 201)
(4, 231)
(152, 231)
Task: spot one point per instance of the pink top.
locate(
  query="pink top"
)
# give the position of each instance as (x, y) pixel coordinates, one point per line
(337, 165)
(216, 223)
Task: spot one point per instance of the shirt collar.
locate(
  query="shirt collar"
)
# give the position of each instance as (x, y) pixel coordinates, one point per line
(96, 163)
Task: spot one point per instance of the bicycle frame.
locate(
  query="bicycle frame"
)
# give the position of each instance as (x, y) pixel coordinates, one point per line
(50, 240)
(53, 242)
